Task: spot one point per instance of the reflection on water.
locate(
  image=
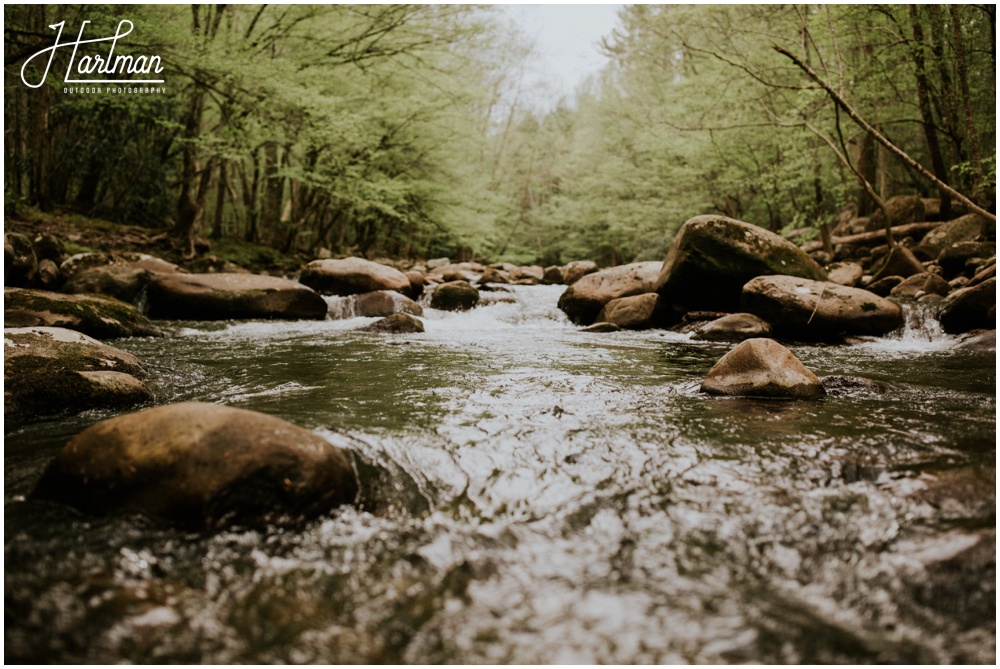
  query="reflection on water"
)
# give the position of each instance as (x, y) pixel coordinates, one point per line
(535, 494)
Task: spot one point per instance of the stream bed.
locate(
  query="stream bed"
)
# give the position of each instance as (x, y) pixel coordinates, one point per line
(536, 494)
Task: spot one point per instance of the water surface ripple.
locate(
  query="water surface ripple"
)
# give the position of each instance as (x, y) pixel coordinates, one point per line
(536, 494)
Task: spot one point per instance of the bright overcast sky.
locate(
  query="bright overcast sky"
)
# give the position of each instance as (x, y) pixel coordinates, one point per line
(566, 45)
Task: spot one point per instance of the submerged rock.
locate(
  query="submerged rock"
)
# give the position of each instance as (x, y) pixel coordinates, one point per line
(350, 276)
(733, 327)
(400, 323)
(51, 371)
(978, 340)
(583, 300)
(762, 368)
(201, 465)
(851, 385)
(819, 310)
(223, 296)
(636, 312)
(971, 308)
(713, 257)
(94, 315)
(601, 327)
(454, 296)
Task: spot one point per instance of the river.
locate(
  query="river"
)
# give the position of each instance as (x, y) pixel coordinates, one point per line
(536, 494)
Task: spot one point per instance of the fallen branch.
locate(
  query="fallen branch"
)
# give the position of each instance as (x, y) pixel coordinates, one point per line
(877, 235)
(881, 139)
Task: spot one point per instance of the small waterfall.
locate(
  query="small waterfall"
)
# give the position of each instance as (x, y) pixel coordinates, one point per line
(921, 330)
(340, 308)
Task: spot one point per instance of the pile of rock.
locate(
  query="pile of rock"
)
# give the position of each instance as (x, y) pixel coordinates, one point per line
(724, 279)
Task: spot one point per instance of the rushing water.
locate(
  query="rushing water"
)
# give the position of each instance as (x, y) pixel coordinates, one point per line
(536, 494)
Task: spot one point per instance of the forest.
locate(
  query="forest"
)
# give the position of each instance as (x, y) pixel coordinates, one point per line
(403, 131)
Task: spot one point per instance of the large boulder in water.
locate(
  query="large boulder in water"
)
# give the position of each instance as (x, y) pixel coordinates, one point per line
(636, 312)
(583, 300)
(351, 276)
(201, 465)
(971, 308)
(713, 257)
(213, 297)
(52, 371)
(454, 296)
(94, 315)
(762, 368)
(819, 310)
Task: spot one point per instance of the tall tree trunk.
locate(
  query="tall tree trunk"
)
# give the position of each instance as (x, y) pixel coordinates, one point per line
(926, 113)
(221, 186)
(961, 65)
(270, 209)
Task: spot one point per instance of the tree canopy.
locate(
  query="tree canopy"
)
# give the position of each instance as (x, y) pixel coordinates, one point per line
(397, 129)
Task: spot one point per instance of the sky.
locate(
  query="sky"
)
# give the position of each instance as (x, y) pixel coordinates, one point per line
(566, 45)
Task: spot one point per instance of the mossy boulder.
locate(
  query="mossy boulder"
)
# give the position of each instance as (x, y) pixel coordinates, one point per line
(713, 257)
(819, 310)
(585, 299)
(963, 229)
(94, 315)
(762, 368)
(119, 281)
(351, 276)
(454, 296)
(202, 466)
(212, 297)
(54, 371)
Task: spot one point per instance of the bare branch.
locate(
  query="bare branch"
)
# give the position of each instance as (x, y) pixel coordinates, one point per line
(880, 138)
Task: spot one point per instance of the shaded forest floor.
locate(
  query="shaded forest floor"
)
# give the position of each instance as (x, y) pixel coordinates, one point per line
(82, 234)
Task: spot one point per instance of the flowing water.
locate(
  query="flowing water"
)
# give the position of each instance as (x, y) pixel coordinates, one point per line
(536, 494)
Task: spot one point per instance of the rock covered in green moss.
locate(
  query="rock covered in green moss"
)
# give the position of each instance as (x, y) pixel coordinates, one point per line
(94, 315)
(201, 465)
(53, 371)
(713, 257)
(211, 297)
(819, 310)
